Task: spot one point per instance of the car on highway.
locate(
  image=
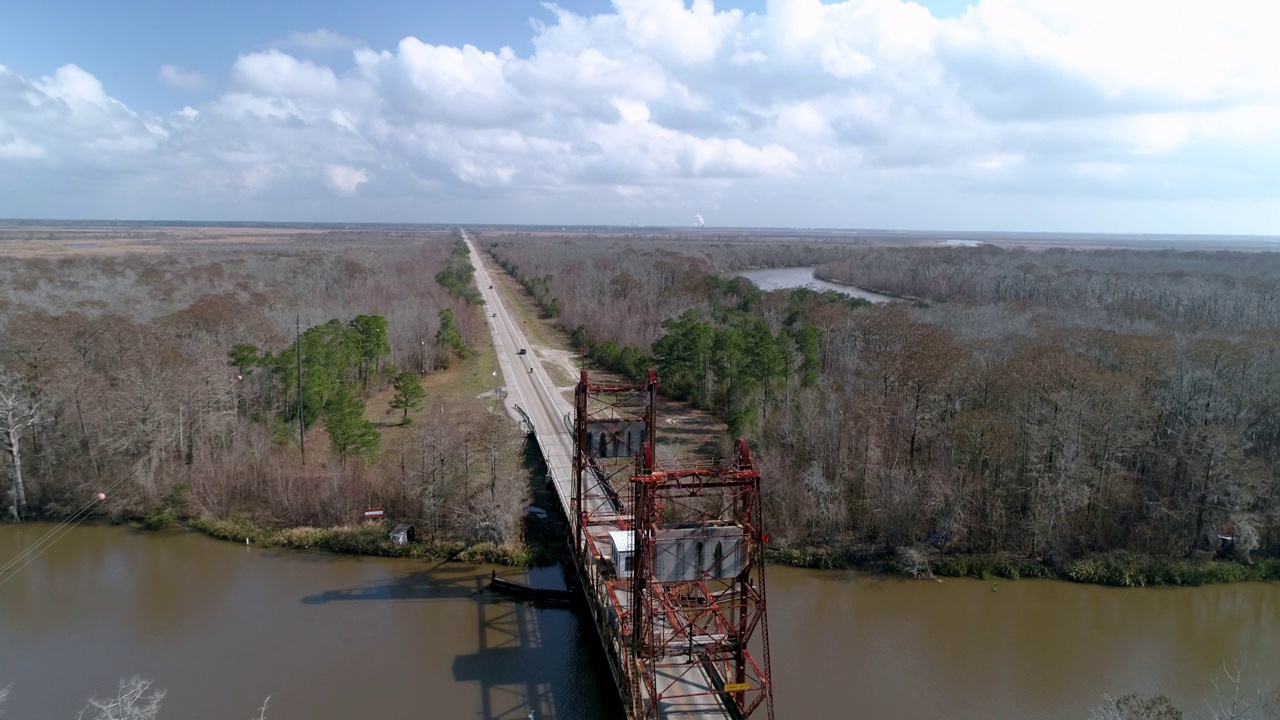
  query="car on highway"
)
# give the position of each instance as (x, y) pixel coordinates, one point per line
(520, 351)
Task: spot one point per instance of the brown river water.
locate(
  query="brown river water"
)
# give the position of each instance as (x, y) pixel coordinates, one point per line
(782, 278)
(221, 626)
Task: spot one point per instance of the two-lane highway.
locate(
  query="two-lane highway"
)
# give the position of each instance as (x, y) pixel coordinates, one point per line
(528, 384)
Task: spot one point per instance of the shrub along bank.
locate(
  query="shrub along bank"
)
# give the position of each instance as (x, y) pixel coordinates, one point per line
(367, 538)
(1119, 569)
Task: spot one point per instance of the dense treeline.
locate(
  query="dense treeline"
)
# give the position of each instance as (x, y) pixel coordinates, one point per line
(539, 288)
(1038, 422)
(1202, 291)
(745, 352)
(611, 290)
(168, 379)
(457, 274)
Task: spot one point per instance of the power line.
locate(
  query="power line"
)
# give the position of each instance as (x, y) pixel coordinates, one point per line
(12, 568)
(302, 428)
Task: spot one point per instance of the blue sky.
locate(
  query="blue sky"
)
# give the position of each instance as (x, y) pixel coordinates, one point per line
(126, 42)
(1085, 115)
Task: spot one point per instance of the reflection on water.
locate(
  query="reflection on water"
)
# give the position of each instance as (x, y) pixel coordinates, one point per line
(784, 278)
(222, 626)
(1020, 649)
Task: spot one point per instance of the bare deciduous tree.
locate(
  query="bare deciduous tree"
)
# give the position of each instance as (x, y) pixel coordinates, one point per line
(18, 413)
(1233, 702)
(134, 700)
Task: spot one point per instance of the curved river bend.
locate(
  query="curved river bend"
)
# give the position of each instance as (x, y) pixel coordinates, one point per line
(222, 626)
(794, 277)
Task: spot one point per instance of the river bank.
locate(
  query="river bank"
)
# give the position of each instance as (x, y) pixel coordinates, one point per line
(1116, 569)
(367, 538)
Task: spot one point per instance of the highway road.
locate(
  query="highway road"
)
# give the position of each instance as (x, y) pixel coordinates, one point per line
(528, 384)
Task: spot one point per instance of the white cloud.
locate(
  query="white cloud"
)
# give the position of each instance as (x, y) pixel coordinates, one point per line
(67, 120)
(344, 180)
(74, 87)
(273, 73)
(21, 149)
(181, 78)
(803, 118)
(1140, 52)
(667, 30)
(837, 113)
(633, 111)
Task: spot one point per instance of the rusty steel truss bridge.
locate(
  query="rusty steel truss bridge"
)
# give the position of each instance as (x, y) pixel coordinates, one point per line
(670, 557)
(672, 562)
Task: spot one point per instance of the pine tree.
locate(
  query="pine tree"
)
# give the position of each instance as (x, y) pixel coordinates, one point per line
(409, 394)
(349, 432)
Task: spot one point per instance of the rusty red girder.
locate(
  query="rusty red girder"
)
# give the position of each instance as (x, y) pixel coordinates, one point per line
(715, 618)
(702, 633)
(593, 402)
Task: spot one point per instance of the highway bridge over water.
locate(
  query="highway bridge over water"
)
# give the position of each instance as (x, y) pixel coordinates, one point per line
(670, 559)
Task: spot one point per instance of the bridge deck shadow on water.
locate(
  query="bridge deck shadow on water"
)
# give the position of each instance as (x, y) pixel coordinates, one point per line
(531, 660)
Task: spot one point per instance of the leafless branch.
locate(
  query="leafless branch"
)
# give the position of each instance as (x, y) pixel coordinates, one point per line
(134, 700)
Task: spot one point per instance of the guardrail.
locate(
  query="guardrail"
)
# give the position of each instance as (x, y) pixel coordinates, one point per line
(528, 422)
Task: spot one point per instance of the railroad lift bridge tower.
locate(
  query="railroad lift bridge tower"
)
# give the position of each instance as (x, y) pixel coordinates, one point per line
(672, 560)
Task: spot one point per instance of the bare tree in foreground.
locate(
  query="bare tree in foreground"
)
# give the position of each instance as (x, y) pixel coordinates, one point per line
(132, 702)
(18, 413)
(1233, 702)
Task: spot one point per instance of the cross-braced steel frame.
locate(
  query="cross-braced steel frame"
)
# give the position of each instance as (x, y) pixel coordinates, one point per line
(709, 620)
(697, 640)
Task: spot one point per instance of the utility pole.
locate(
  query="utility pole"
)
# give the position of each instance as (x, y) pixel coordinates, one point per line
(302, 428)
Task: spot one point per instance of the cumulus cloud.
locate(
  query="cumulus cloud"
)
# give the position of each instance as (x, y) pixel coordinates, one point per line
(273, 74)
(344, 180)
(68, 119)
(75, 88)
(181, 78)
(838, 113)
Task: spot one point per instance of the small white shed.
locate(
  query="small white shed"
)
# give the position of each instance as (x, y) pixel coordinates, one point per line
(622, 552)
(403, 534)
